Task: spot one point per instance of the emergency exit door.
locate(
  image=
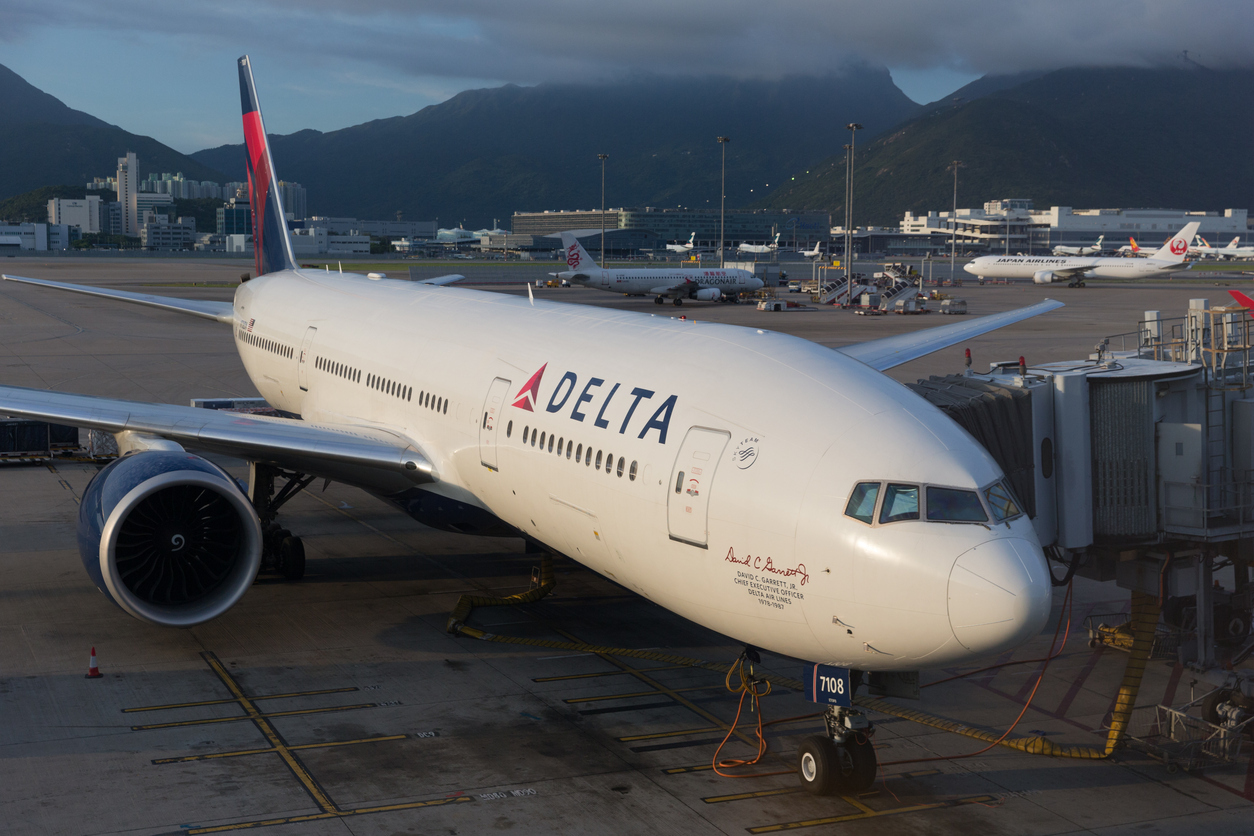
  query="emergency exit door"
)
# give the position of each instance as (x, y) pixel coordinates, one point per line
(490, 419)
(687, 508)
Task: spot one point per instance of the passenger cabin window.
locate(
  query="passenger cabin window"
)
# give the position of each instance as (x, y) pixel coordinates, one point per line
(861, 505)
(901, 502)
(1001, 502)
(952, 505)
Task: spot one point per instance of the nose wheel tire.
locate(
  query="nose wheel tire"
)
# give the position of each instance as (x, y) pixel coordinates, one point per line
(291, 558)
(678, 301)
(827, 768)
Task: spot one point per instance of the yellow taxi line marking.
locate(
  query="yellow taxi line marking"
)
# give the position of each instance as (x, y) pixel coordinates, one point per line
(249, 715)
(334, 814)
(243, 752)
(225, 701)
(271, 734)
(794, 825)
(855, 802)
(656, 735)
(602, 673)
(719, 799)
(637, 694)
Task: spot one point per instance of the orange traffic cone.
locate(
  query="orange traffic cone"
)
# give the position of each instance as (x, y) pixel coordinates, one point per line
(93, 672)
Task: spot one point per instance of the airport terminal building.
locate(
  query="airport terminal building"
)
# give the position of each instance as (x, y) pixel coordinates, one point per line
(677, 225)
(1013, 225)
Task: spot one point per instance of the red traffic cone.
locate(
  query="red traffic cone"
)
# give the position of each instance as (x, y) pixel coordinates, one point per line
(93, 672)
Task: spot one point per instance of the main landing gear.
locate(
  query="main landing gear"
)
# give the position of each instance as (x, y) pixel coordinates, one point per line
(1076, 283)
(678, 301)
(659, 300)
(281, 551)
(841, 762)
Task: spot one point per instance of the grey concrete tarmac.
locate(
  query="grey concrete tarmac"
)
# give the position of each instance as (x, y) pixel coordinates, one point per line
(496, 736)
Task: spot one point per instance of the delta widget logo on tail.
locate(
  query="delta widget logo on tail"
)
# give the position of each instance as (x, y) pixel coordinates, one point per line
(527, 395)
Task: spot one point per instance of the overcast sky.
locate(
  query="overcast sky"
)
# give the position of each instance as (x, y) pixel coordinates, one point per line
(166, 69)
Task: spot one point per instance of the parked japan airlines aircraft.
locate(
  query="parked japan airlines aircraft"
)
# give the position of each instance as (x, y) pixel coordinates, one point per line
(1093, 250)
(661, 453)
(684, 248)
(677, 283)
(1075, 269)
(760, 249)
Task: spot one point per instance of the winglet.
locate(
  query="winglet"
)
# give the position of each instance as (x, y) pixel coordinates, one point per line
(1242, 299)
(272, 249)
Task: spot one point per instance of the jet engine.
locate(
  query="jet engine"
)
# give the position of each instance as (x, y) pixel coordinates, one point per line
(708, 294)
(1043, 277)
(169, 537)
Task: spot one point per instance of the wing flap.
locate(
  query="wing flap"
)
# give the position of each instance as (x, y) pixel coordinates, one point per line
(217, 311)
(374, 457)
(893, 351)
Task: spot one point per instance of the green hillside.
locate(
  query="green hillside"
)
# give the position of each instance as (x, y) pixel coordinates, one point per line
(1085, 138)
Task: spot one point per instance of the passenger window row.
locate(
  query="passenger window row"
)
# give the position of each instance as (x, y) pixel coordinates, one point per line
(390, 387)
(264, 344)
(898, 502)
(566, 447)
(338, 369)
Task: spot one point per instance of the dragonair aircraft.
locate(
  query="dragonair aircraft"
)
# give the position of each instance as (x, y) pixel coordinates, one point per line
(710, 285)
(1075, 269)
(684, 248)
(1093, 250)
(1233, 250)
(619, 439)
(760, 249)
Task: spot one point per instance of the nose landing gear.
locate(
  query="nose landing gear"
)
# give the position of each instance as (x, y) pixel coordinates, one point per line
(841, 762)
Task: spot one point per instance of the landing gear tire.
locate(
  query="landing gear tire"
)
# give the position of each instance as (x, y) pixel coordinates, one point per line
(657, 301)
(291, 558)
(678, 301)
(818, 765)
(860, 761)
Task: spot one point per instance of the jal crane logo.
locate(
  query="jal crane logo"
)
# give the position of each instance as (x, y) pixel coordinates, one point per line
(573, 258)
(1178, 246)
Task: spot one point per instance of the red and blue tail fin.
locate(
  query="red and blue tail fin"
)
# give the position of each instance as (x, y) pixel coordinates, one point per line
(271, 246)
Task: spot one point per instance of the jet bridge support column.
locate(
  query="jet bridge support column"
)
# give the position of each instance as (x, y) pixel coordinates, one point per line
(1205, 609)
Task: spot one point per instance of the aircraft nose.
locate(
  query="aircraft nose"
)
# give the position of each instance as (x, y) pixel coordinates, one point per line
(999, 595)
(969, 267)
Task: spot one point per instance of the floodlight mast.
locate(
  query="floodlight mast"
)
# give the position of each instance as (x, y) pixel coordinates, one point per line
(722, 204)
(603, 158)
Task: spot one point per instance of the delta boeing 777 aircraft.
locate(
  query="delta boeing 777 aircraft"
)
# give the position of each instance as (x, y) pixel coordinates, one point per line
(618, 439)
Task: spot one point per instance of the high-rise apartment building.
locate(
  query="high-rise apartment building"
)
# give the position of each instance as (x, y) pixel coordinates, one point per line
(128, 191)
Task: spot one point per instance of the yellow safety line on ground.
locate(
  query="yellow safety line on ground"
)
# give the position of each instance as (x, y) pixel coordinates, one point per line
(271, 734)
(246, 716)
(873, 814)
(743, 796)
(254, 699)
(638, 694)
(243, 752)
(335, 814)
(603, 673)
(657, 735)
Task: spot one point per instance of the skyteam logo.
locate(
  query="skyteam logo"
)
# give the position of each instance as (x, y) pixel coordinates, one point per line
(527, 396)
(573, 258)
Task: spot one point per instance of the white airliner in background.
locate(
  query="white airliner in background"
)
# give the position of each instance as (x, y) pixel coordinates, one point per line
(678, 284)
(817, 252)
(1093, 250)
(1075, 269)
(1132, 248)
(684, 248)
(1233, 250)
(663, 454)
(760, 249)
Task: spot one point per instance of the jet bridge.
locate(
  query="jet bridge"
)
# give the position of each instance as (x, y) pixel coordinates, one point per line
(1136, 464)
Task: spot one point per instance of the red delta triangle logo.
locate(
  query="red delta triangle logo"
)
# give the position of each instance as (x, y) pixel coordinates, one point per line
(530, 392)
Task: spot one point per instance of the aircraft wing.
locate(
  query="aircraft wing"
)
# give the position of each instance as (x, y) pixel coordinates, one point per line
(363, 455)
(442, 280)
(218, 311)
(893, 351)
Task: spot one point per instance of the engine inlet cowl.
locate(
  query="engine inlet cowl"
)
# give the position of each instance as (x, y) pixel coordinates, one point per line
(169, 537)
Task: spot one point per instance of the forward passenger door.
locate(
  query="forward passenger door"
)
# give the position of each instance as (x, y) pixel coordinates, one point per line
(489, 421)
(688, 503)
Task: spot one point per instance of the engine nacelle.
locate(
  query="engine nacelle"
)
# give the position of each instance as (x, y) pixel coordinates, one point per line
(1043, 277)
(708, 294)
(169, 537)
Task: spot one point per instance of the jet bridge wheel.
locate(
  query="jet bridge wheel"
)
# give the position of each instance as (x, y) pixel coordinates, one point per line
(826, 767)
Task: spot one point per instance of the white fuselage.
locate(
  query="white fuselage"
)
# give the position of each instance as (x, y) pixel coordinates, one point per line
(1064, 268)
(673, 282)
(716, 504)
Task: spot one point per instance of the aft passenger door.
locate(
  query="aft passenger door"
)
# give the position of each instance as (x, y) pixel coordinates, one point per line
(687, 508)
(489, 419)
(302, 362)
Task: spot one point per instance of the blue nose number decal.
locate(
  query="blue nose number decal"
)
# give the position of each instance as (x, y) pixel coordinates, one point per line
(828, 685)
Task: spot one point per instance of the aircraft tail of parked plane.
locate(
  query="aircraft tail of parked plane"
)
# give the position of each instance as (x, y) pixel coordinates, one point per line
(577, 258)
(1178, 246)
(271, 245)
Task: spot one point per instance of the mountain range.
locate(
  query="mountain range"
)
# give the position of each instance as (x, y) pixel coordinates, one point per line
(44, 143)
(1085, 138)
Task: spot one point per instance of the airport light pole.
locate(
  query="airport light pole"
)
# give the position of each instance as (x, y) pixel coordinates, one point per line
(722, 204)
(953, 219)
(853, 128)
(603, 158)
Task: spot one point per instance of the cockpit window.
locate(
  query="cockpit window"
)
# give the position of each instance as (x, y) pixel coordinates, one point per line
(1001, 502)
(952, 505)
(901, 502)
(862, 501)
